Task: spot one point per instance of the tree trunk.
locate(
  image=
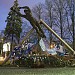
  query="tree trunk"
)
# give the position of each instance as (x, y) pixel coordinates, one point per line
(11, 42)
(61, 28)
(73, 29)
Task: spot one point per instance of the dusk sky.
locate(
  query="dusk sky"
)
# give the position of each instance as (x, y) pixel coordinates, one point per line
(5, 6)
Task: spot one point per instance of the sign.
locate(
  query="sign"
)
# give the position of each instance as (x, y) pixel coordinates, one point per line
(6, 47)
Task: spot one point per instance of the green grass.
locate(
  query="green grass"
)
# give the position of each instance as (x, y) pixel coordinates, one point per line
(42, 71)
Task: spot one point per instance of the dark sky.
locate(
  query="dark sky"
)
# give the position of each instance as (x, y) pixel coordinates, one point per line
(5, 6)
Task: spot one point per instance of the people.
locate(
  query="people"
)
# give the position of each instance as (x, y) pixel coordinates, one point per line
(59, 49)
(33, 21)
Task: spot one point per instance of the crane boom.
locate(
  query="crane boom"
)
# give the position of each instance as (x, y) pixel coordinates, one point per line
(49, 28)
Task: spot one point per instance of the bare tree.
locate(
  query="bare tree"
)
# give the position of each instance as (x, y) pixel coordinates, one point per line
(49, 15)
(37, 11)
(59, 17)
(71, 12)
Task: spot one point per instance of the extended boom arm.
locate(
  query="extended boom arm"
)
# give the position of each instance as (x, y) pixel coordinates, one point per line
(41, 21)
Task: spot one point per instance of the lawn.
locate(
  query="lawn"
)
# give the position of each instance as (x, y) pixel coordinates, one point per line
(41, 71)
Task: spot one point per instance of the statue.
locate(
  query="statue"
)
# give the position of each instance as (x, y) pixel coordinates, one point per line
(33, 21)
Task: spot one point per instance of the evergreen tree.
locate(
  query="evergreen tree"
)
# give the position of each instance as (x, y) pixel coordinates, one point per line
(13, 27)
